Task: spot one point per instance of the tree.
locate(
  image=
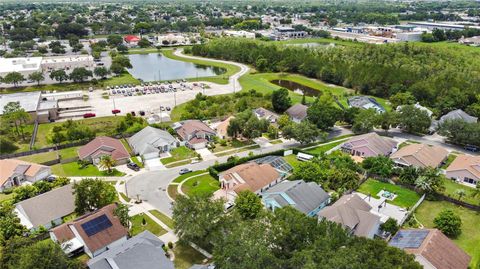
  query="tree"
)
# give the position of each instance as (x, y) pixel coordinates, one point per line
(92, 194)
(101, 71)
(248, 205)
(13, 78)
(379, 166)
(144, 43)
(15, 115)
(386, 119)
(413, 119)
(10, 225)
(80, 74)
(37, 76)
(122, 48)
(364, 121)
(281, 100)
(107, 162)
(122, 213)
(116, 68)
(323, 113)
(59, 75)
(390, 226)
(262, 64)
(460, 193)
(304, 132)
(429, 181)
(402, 98)
(114, 40)
(449, 223)
(7, 145)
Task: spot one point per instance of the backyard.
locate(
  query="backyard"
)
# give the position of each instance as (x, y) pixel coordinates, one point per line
(324, 148)
(74, 170)
(151, 225)
(65, 153)
(200, 185)
(470, 236)
(186, 256)
(405, 198)
(451, 188)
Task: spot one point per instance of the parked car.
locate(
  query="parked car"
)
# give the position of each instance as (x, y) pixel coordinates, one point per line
(133, 166)
(168, 108)
(115, 111)
(133, 113)
(185, 171)
(88, 115)
(142, 113)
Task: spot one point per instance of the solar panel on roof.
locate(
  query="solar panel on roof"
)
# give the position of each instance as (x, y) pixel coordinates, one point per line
(96, 225)
(409, 239)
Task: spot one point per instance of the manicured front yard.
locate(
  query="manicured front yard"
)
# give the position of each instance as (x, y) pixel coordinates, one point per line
(74, 170)
(200, 185)
(450, 190)
(163, 218)
(469, 239)
(151, 225)
(178, 154)
(187, 175)
(186, 256)
(234, 143)
(406, 198)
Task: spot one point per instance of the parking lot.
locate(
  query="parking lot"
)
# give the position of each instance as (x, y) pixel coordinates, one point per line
(149, 98)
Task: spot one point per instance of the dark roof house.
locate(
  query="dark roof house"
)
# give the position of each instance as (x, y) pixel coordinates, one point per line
(149, 142)
(143, 251)
(297, 112)
(103, 146)
(457, 114)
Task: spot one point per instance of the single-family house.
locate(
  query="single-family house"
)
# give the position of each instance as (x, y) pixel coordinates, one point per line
(365, 102)
(265, 114)
(222, 127)
(457, 114)
(465, 169)
(151, 142)
(353, 213)
(420, 156)
(46, 209)
(131, 40)
(195, 133)
(104, 146)
(15, 172)
(432, 249)
(248, 176)
(369, 145)
(93, 233)
(297, 112)
(307, 197)
(143, 251)
(417, 105)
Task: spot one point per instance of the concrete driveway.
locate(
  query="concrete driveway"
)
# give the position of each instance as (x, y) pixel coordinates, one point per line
(154, 164)
(206, 154)
(262, 142)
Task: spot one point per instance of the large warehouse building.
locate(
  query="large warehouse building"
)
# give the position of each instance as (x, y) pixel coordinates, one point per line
(28, 65)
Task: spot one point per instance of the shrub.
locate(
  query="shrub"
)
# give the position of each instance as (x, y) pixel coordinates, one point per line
(449, 223)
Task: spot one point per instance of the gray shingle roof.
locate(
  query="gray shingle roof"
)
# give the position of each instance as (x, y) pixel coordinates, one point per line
(149, 139)
(298, 111)
(457, 114)
(143, 251)
(305, 196)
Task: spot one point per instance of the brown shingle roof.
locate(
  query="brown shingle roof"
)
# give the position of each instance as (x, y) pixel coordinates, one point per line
(98, 240)
(466, 162)
(9, 166)
(441, 252)
(192, 127)
(255, 176)
(104, 145)
(298, 111)
(379, 145)
(420, 155)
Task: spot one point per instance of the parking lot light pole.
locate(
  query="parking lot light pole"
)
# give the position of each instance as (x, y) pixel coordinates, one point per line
(175, 98)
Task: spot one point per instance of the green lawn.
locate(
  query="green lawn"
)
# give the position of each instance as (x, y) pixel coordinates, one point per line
(127, 146)
(73, 170)
(451, 187)
(200, 185)
(125, 197)
(406, 198)
(325, 148)
(172, 191)
(66, 153)
(220, 79)
(450, 159)
(234, 151)
(470, 237)
(184, 176)
(151, 225)
(162, 217)
(234, 143)
(137, 160)
(178, 154)
(186, 256)
(292, 160)
(5, 197)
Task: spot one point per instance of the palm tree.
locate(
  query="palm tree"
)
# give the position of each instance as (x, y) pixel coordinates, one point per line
(460, 193)
(476, 191)
(106, 162)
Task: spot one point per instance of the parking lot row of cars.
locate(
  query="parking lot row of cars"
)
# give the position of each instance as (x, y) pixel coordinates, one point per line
(130, 89)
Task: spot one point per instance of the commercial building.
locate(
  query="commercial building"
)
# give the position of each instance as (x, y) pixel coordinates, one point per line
(471, 41)
(40, 110)
(283, 32)
(28, 65)
(244, 34)
(442, 26)
(409, 36)
(23, 65)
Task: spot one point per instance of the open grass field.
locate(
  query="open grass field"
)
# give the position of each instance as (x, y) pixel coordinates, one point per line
(470, 237)
(178, 154)
(220, 79)
(151, 225)
(186, 256)
(74, 170)
(200, 185)
(162, 217)
(406, 198)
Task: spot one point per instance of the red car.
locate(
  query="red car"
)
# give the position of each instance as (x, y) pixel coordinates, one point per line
(89, 115)
(115, 111)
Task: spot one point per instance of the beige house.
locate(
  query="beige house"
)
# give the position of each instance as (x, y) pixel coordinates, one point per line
(420, 156)
(465, 169)
(15, 172)
(369, 145)
(222, 128)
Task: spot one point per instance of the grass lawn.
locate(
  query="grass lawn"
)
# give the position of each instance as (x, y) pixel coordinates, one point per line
(184, 176)
(234, 143)
(126, 145)
(137, 160)
(172, 191)
(66, 153)
(200, 185)
(325, 148)
(186, 256)
(5, 197)
(73, 170)
(125, 197)
(450, 159)
(151, 225)
(451, 187)
(406, 198)
(178, 154)
(469, 238)
(220, 79)
(292, 160)
(162, 217)
(234, 151)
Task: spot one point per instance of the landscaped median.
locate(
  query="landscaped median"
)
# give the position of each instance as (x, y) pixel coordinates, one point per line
(194, 183)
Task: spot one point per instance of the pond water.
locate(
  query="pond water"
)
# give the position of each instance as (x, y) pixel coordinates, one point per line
(296, 87)
(155, 67)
